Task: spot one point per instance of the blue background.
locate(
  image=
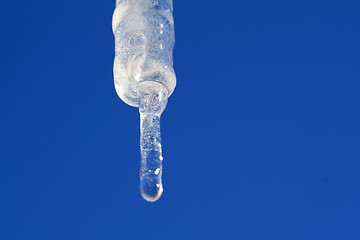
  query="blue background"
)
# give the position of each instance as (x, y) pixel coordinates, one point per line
(260, 138)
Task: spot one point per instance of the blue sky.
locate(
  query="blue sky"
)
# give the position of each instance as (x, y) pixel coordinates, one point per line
(260, 138)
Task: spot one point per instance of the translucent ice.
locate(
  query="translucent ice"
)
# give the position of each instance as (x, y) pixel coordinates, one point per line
(144, 76)
(152, 102)
(144, 41)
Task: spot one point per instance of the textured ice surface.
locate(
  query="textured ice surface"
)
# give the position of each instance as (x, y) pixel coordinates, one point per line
(152, 102)
(144, 41)
(144, 76)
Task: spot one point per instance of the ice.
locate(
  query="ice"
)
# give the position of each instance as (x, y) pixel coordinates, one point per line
(144, 42)
(144, 76)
